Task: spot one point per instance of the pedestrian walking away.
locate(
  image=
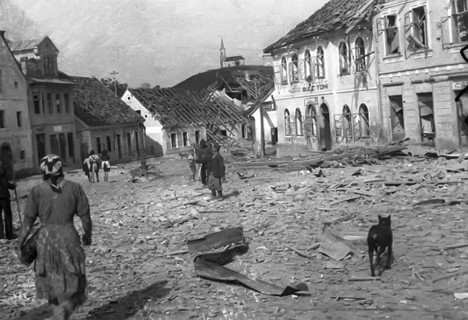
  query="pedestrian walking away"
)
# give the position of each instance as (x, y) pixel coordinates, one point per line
(105, 158)
(217, 172)
(93, 162)
(60, 275)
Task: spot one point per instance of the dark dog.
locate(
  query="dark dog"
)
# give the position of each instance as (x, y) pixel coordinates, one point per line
(380, 237)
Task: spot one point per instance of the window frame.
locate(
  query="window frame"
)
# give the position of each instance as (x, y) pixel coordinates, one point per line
(410, 27)
(298, 122)
(360, 61)
(19, 119)
(320, 63)
(284, 71)
(287, 123)
(343, 61)
(294, 69)
(308, 66)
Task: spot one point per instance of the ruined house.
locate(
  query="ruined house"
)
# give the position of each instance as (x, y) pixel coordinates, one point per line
(326, 90)
(104, 122)
(177, 118)
(421, 71)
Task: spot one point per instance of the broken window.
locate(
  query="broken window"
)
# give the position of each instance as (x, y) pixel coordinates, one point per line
(320, 65)
(457, 23)
(360, 54)
(344, 61)
(461, 19)
(294, 69)
(426, 113)
(284, 71)
(298, 123)
(416, 29)
(308, 66)
(287, 123)
(392, 39)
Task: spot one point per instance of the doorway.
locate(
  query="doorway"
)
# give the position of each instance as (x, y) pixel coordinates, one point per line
(119, 147)
(426, 117)
(397, 117)
(41, 148)
(325, 138)
(311, 125)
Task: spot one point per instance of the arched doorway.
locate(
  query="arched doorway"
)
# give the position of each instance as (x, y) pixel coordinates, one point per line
(311, 125)
(347, 127)
(324, 132)
(364, 129)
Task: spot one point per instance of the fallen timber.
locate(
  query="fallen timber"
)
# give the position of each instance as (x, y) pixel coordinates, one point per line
(359, 156)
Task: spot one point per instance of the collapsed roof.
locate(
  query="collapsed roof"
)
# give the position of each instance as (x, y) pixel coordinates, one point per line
(334, 15)
(178, 108)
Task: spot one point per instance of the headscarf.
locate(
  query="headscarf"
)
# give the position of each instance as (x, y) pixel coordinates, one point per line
(51, 167)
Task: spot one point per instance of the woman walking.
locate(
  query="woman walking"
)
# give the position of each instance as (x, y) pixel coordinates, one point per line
(105, 158)
(60, 262)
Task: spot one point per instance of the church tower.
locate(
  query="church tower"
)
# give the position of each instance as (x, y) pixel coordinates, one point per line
(222, 54)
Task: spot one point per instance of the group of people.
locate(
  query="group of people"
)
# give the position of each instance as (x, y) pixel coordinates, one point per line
(211, 169)
(93, 163)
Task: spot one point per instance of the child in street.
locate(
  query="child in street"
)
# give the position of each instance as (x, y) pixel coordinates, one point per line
(191, 161)
(105, 158)
(217, 172)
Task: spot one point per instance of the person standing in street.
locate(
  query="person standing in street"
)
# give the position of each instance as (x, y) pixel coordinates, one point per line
(6, 184)
(60, 262)
(205, 155)
(217, 172)
(192, 165)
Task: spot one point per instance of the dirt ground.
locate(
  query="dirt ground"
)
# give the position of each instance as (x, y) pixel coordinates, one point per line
(138, 267)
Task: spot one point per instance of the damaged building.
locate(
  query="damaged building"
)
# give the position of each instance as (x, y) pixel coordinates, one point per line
(326, 89)
(104, 122)
(365, 72)
(177, 118)
(421, 71)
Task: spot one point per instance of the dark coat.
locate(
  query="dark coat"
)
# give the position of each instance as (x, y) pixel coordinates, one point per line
(216, 166)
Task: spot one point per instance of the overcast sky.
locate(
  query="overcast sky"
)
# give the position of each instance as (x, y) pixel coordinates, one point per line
(161, 42)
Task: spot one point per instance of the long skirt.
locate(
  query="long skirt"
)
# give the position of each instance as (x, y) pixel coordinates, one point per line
(60, 265)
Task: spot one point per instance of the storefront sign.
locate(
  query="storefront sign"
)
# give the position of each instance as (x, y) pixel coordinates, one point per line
(315, 87)
(459, 85)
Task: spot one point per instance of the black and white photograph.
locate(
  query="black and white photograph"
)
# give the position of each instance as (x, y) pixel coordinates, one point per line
(233, 159)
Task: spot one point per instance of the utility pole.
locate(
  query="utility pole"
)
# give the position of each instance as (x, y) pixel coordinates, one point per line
(114, 73)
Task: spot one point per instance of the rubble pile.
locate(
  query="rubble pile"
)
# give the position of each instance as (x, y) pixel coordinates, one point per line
(301, 226)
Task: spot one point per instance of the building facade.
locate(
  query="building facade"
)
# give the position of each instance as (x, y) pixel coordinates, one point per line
(104, 122)
(50, 100)
(15, 125)
(421, 70)
(326, 80)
